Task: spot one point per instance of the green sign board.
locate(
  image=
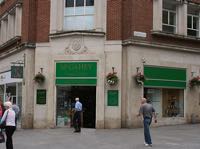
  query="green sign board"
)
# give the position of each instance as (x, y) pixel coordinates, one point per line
(41, 96)
(113, 98)
(167, 77)
(76, 73)
(16, 71)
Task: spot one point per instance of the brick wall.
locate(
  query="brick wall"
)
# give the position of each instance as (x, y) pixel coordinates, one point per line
(142, 19)
(127, 14)
(114, 19)
(43, 21)
(29, 21)
(6, 6)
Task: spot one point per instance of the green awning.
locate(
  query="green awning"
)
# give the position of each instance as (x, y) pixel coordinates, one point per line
(164, 77)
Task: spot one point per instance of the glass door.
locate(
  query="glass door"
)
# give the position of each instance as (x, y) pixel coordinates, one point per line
(64, 107)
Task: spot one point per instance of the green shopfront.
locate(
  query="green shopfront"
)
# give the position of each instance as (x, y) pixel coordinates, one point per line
(76, 79)
(164, 87)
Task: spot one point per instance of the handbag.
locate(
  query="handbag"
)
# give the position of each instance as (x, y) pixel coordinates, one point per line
(3, 124)
(2, 138)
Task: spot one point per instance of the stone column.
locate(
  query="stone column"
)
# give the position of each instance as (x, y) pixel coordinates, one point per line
(18, 21)
(157, 15)
(28, 89)
(100, 15)
(182, 19)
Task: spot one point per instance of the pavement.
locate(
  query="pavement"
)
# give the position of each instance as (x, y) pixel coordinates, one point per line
(168, 137)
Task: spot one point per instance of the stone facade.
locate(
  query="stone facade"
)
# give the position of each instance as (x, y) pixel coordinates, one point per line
(126, 35)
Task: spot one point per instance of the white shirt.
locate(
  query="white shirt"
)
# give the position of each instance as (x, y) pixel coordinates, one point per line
(10, 119)
(78, 106)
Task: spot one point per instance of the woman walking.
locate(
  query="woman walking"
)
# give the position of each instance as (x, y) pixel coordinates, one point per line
(9, 118)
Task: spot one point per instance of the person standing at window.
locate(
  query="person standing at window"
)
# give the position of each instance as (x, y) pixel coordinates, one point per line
(147, 111)
(9, 117)
(77, 116)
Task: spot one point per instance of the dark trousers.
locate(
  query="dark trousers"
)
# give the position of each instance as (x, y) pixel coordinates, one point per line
(77, 121)
(147, 135)
(9, 133)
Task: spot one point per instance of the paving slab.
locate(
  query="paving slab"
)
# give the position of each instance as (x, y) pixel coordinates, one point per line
(168, 137)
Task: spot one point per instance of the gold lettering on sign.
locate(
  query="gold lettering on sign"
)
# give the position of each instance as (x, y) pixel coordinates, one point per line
(79, 67)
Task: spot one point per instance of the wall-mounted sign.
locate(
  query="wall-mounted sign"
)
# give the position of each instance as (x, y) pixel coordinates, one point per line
(76, 73)
(41, 96)
(16, 71)
(113, 96)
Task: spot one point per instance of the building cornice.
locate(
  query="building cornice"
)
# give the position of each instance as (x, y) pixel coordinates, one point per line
(183, 37)
(17, 49)
(10, 42)
(160, 45)
(81, 32)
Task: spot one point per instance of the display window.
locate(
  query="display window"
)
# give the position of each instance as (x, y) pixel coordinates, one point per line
(167, 102)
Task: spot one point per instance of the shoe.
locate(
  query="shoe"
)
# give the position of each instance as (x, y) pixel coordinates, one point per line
(147, 145)
(77, 131)
(150, 145)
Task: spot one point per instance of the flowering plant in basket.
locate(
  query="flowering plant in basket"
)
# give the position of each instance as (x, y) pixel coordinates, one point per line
(39, 78)
(139, 78)
(195, 81)
(112, 78)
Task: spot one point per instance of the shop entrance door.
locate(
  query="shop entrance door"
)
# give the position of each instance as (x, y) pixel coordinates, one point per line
(66, 104)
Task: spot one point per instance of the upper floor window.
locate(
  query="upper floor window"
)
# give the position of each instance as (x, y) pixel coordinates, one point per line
(169, 17)
(193, 22)
(10, 25)
(79, 15)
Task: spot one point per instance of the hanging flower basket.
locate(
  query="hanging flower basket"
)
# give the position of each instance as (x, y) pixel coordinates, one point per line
(112, 78)
(195, 81)
(139, 78)
(39, 78)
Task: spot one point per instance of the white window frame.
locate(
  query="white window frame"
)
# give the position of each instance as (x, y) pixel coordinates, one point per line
(168, 19)
(197, 30)
(76, 15)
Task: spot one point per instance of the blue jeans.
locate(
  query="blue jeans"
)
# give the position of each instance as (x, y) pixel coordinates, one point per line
(147, 136)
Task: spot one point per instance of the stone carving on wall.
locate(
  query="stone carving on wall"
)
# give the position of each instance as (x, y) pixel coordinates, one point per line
(76, 46)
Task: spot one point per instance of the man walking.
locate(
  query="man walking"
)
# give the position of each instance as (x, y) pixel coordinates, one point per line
(77, 116)
(147, 111)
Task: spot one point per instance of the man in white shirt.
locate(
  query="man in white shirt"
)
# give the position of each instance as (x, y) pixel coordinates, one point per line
(77, 116)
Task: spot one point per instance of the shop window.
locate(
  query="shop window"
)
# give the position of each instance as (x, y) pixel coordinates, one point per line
(154, 97)
(79, 15)
(193, 22)
(169, 17)
(167, 102)
(173, 101)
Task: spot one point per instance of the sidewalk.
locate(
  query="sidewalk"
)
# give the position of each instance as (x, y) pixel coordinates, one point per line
(170, 137)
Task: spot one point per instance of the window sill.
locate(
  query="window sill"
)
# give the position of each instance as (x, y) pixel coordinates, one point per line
(161, 33)
(10, 42)
(80, 32)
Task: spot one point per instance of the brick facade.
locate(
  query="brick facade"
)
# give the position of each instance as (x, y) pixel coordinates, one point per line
(35, 19)
(137, 15)
(114, 19)
(43, 21)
